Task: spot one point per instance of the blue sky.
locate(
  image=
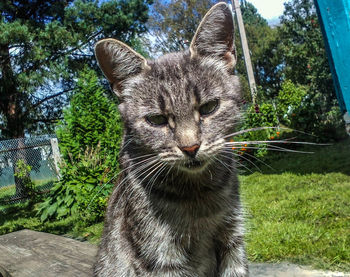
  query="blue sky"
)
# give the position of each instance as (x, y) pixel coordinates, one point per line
(269, 9)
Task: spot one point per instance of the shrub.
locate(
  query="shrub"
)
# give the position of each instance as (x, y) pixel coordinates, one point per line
(89, 139)
(302, 110)
(91, 119)
(22, 173)
(289, 100)
(255, 116)
(82, 190)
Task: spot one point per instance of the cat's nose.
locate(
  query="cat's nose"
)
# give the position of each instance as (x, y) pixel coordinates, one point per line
(191, 150)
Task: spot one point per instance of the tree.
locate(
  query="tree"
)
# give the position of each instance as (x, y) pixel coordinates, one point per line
(43, 44)
(304, 62)
(261, 38)
(172, 24)
(304, 54)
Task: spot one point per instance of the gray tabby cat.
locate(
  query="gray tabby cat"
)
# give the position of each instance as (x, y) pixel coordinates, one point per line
(175, 210)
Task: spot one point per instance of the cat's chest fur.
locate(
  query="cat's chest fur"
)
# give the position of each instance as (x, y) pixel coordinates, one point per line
(172, 229)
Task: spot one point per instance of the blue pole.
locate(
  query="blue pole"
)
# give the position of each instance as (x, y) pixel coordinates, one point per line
(334, 17)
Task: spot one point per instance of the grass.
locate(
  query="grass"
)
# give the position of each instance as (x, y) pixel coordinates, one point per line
(300, 212)
(6, 192)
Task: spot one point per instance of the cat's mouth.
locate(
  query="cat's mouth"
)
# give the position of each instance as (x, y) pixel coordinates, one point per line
(194, 166)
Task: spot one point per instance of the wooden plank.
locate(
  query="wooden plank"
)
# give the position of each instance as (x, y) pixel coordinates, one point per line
(28, 253)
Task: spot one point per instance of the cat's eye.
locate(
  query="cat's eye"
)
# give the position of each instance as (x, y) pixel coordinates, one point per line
(157, 119)
(208, 107)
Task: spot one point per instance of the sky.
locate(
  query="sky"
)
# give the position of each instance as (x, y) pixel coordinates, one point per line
(269, 9)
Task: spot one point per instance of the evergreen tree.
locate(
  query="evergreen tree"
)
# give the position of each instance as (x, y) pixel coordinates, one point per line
(91, 120)
(43, 44)
(90, 136)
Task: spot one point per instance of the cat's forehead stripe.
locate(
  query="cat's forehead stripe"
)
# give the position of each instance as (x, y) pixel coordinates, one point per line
(161, 103)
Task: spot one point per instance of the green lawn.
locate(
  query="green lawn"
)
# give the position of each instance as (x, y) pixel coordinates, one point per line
(298, 211)
(10, 191)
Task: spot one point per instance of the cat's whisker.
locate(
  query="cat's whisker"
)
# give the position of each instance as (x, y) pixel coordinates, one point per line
(223, 163)
(153, 168)
(115, 176)
(249, 130)
(126, 143)
(151, 182)
(276, 148)
(139, 172)
(159, 170)
(122, 171)
(167, 173)
(275, 141)
(237, 161)
(244, 158)
(143, 169)
(267, 128)
(211, 160)
(147, 162)
(259, 160)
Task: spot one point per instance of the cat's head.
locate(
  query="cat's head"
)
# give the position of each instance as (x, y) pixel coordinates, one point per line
(180, 106)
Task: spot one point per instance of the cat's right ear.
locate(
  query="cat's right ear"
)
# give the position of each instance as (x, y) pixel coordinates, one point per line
(118, 62)
(215, 36)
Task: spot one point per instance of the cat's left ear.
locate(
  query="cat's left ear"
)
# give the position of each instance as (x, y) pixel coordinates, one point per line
(215, 36)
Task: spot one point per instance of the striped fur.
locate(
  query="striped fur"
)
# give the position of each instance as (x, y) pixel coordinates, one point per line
(170, 214)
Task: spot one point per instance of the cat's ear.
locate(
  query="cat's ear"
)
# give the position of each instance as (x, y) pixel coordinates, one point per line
(118, 62)
(215, 35)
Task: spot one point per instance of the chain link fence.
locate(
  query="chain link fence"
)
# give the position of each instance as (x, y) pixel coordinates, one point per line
(27, 166)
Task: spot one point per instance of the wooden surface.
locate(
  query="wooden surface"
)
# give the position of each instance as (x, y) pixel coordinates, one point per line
(28, 253)
(34, 254)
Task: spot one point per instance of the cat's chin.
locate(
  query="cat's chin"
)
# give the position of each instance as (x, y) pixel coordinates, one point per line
(194, 167)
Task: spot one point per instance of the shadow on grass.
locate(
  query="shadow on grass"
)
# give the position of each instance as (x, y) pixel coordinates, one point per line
(334, 158)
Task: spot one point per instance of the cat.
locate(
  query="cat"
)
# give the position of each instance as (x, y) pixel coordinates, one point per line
(175, 209)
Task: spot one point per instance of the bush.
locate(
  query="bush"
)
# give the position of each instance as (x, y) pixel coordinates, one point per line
(256, 116)
(83, 189)
(22, 173)
(89, 139)
(91, 119)
(289, 100)
(302, 110)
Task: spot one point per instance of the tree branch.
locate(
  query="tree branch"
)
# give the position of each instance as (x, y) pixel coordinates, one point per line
(48, 98)
(55, 57)
(46, 120)
(44, 100)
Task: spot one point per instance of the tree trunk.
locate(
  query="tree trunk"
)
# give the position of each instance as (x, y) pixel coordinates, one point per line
(10, 108)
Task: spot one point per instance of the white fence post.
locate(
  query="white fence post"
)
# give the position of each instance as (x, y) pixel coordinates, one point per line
(56, 155)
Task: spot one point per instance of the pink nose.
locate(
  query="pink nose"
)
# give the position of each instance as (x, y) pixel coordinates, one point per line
(191, 150)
